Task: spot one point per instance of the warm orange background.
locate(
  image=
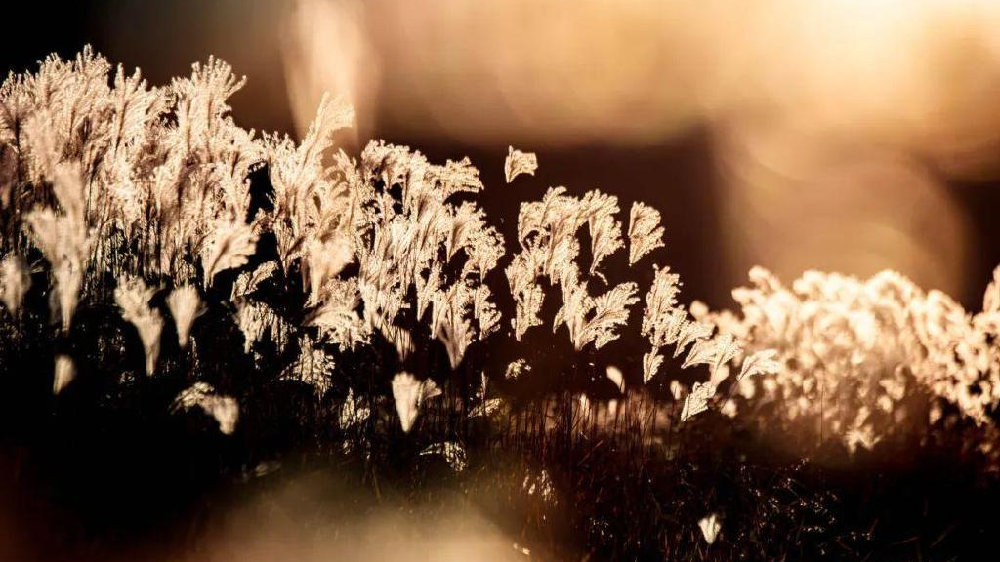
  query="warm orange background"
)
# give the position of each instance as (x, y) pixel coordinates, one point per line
(847, 135)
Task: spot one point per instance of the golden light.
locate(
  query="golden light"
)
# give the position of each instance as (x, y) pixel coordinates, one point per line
(858, 110)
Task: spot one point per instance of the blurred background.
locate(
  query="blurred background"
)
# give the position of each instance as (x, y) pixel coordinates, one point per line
(848, 135)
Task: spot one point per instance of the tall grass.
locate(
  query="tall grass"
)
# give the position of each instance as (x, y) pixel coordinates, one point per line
(169, 267)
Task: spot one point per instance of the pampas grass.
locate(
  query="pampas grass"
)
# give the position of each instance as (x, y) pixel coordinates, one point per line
(372, 309)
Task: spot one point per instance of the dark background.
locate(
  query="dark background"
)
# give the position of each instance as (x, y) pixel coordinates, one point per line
(164, 38)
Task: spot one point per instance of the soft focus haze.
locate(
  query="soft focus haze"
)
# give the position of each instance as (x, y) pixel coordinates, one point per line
(853, 135)
(840, 135)
(835, 124)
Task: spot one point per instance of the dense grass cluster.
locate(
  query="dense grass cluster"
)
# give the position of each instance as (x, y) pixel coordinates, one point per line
(193, 304)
